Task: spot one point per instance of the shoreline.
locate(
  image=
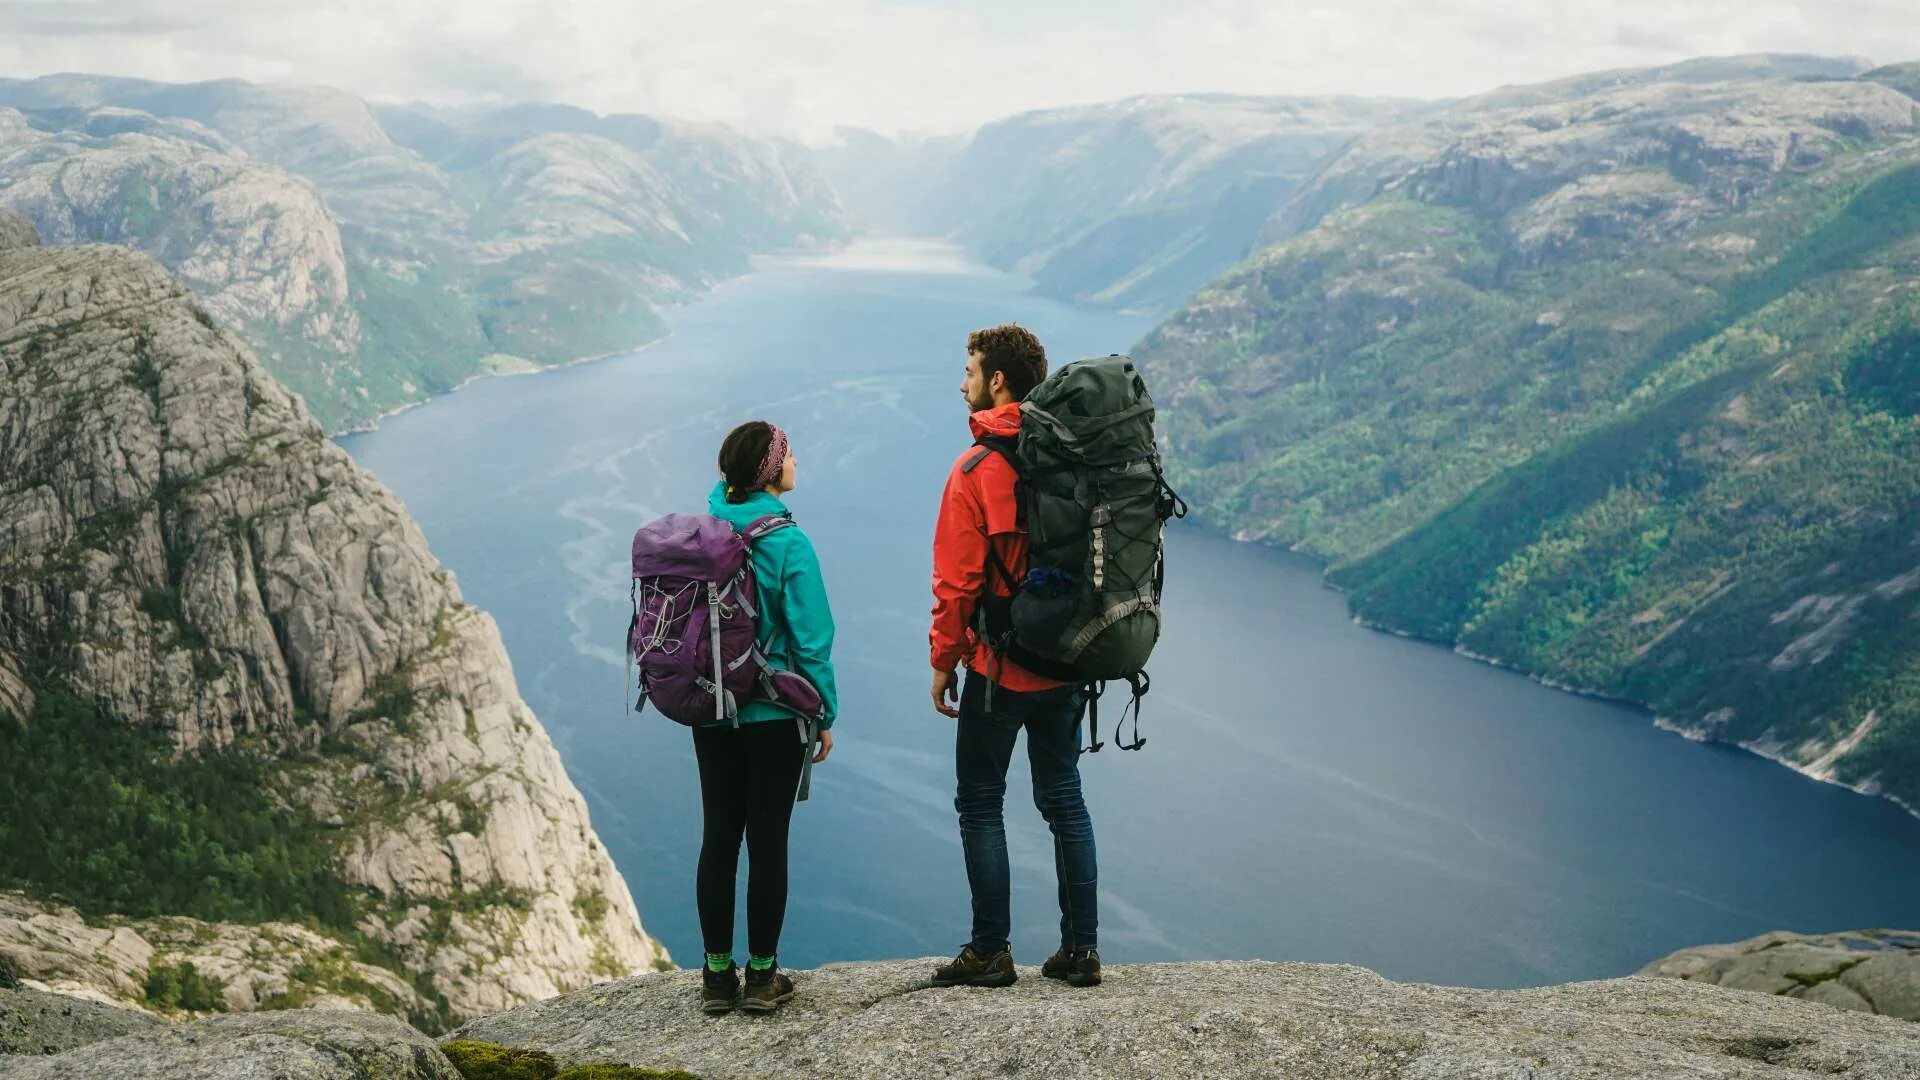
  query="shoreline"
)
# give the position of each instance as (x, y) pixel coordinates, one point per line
(1661, 722)
(373, 424)
(757, 264)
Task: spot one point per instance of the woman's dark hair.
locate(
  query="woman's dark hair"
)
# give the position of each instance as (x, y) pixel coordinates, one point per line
(741, 456)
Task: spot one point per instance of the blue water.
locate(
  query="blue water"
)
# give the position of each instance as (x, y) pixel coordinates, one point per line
(1311, 791)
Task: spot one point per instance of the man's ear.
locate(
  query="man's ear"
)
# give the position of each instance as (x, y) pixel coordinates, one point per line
(998, 382)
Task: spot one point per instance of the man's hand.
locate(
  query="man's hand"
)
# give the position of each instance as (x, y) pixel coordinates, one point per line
(826, 747)
(946, 688)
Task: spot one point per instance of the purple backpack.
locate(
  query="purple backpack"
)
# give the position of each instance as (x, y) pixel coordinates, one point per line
(694, 620)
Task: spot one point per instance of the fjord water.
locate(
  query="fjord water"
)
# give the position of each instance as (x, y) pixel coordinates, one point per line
(1311, 790)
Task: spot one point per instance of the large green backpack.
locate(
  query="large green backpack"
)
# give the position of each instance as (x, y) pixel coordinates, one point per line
(1094, 503)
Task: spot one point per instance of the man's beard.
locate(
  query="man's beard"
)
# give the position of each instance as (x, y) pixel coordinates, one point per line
(980, 404)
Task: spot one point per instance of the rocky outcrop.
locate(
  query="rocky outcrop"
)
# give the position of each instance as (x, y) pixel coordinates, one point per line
(1212, 1019)
(1871, 971)
(1244, 1018)
(310, 1044)
(241, 967)
(181, 545)
(35, 1023)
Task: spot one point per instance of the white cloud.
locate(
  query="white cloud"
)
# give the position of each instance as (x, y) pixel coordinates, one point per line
(806, 65)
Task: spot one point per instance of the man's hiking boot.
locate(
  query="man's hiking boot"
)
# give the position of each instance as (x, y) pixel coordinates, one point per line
(766, 990)
(972, 969)
(1073, 968)
(718, 989)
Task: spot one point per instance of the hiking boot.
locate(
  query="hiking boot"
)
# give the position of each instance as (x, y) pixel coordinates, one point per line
(718, 989)
(972, 969)
(766, 990)
(1073, 968)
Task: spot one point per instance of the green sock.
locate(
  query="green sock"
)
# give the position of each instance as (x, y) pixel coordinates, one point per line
(719, 961)
(759, 963)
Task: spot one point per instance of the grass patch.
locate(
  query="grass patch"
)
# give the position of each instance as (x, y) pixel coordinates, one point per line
(491, 1061)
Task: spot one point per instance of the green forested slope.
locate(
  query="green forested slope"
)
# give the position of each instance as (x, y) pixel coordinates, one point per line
(1621, 391)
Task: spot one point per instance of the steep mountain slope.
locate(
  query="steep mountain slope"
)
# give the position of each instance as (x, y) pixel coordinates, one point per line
(1619, 390)
(1137, 203)
(258, 245)
(247, 692)
(884, 180)
(472, 242)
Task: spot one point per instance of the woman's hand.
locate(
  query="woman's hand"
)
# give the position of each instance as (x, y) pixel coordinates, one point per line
(826, 747)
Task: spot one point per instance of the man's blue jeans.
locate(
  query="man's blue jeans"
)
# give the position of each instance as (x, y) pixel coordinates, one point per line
(983, 749)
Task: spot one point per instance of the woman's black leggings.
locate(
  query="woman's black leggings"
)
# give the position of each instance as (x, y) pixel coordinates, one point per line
(748, 778)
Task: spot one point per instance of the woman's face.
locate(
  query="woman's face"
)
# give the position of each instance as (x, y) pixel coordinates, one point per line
(787, 471)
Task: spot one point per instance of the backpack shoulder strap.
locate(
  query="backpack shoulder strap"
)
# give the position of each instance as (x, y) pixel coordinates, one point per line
(993, 444)
(761, 527)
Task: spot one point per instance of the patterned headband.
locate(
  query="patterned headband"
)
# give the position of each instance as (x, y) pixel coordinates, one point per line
(776, 461)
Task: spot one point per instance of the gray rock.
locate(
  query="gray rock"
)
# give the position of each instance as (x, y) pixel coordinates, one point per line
(309, 1044)
(1210, 1019)
(32, 1022)
(144, 453)
(17, 231)
(1871, 970)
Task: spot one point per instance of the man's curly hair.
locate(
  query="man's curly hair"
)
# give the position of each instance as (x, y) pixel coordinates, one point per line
(1013, 351)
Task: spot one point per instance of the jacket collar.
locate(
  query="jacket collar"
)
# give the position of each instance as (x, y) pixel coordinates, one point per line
(756, 505)
(999, 420)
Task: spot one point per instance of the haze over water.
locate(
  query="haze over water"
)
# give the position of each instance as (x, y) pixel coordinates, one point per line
(1311, 790)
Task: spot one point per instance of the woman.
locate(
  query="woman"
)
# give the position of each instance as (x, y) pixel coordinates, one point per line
(749, 773)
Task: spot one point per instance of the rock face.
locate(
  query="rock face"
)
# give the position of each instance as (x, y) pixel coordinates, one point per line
(34, 1023)
(182, 546)
(369, 269)
(1541, 374)
(1871, 971)
(1215, 1019)
(310, 1044)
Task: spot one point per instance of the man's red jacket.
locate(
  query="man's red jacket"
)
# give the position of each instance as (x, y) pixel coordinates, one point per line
(977, 509)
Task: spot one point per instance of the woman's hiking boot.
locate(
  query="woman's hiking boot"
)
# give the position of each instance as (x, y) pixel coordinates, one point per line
(767, 988)
(1075, 968)
(719, 989)
(972, 969)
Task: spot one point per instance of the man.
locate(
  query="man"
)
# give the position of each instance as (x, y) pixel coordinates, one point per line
(979, 547)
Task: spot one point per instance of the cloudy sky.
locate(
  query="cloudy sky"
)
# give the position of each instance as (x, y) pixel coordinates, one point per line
(802, 66)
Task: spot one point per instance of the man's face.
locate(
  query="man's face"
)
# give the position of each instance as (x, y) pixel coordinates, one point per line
(976, 389)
